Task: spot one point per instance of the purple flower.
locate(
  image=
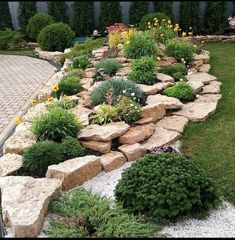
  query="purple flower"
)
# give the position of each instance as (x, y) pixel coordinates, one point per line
(164, 148)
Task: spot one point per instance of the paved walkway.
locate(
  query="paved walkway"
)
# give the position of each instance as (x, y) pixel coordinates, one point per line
(20, 79)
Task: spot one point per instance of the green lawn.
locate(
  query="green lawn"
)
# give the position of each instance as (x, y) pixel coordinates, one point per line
(23, 52)
(212, 143)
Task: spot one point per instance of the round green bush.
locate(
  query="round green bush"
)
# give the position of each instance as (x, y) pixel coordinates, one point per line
(181, 90)
(37, 23)
(56, 125)
(109, 66)
(56, 37)
(116, 88)
(40, 155)
(143, 71)
(141, 44)
(166, 186)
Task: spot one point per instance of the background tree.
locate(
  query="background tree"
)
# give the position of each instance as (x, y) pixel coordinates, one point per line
(58, 11)
(83, 18)
(215, 17)
(110, 13)
(137, 11)
(190, 16)
(165, 7)
(26, 11)
(5, 16)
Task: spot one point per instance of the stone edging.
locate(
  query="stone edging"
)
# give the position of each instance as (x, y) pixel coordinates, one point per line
(215, 38)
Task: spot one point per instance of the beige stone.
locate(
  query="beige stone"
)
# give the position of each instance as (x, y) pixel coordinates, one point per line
(196, 85)
(204, 57)
(198, 63)
(112, 160)
(208, 98)
(162, 85)
(121, 59)
(86, 83)
(212, 87)
(9, 163)
(143, 121)
(82, 113)
(164, 77)
(162, 63)
(76, 171)
(148, 89)
(204, 68)
(25, 201)
(99, 50)
(133, 151)
(202, 77)
(123, 71)
(104, 133)
(102, 147)
(170, 59)
(90, 73)
(156, 111)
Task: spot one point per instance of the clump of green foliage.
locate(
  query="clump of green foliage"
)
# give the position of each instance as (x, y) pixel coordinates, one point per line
(5, 16)
(64, 102)
(81, 62)
(77, 73)
(177, 71)
(109, 66)
(58, 11)
(10, 38)
(137, 11)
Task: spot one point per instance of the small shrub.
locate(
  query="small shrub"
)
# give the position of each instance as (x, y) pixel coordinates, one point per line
(81, 62)
(166, 186)
(56, 125)
(71, 148)
(128, 110)
(140, 44)
(181, 90)
(180, 50)
(75, 73)
(143, 70)
(37, 23)
(64, 102)
(177, 71)
(56, 37)
(109, 66)
(111, 90)
(10, 38)
(164, 33)
(104, 114)
(40, 155)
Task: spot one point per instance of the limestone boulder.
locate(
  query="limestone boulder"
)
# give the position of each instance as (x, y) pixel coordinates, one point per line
(212, 88)
(169, 59)
(148, 89)
(112, 160)
(204, 57)
(209, 98)
(90, 73)
(121, 59)
(202, 77)
(102, 147)
(204, 68)
(144, 121)
(198, 63)
(196, 85)
(25, 201)
(164, 77)
(86, 83)
(9, 163)
(162, 85)
(103, 133)
(133, 151)
(154, 111)
(76, 171)
(123, 71)
(83, 113)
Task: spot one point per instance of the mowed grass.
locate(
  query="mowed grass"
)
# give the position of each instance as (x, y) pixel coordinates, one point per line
(212, 143)
(22, 52)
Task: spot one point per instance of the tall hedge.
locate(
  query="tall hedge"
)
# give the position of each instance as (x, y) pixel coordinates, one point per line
(215, 17)
(233, 7)
(5, 16)
(165, 7)
(110, 13)
(190, 16)
(26, 11)
(137, 11)
(83, 18)
(58, 11)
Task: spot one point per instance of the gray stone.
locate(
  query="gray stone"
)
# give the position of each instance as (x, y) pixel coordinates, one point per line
(204, 68)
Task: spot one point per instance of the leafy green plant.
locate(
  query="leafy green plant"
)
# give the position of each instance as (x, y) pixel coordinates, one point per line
(177, 71)
(77, 73)
(40, 155)
(181, 90)
(96, 215)
(140, 44)
(10, 38)
(58, 11)
(165, 7)
(56, 37)
(71, 148)
(109, 66)
(128, 110)
(111, 90)
(164, 33)
(167, 186)
(180, 49)
(137, 11)
(56, 125)
(81, 62)
(143, 70)
(37, 23)
(5, 16)
(104, 114)
(64, 102)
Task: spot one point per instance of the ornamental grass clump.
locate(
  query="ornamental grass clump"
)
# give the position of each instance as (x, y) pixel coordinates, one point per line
(109, 66)
(166, 186)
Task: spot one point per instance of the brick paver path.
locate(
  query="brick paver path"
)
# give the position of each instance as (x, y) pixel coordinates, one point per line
(20, 77)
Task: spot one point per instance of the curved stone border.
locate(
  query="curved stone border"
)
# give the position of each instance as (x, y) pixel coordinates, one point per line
(215, 38)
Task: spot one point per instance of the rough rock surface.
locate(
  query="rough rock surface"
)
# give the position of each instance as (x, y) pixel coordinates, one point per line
(82, 113)
(143, 121)
(86, 83)
(204, 68)
(164, 77)
(202, 77)
(102, 147)
(203, 56)
(212, 87)
(133, 151)
(123, 71)
(75, 171)
(155, 111)
(148, 89)
(90, 73)
(25, 201)
(196, 85)
(209, 98)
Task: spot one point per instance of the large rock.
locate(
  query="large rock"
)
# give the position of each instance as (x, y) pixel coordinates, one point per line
(76, 171)
(112, 160)
(90, 73)
(102, 147)
(153, 89)
(137, 134)
(167, 102)
(164, 77)
(133, 151)
(161, 137)
(24, 203)
(175, 123)
(104, 133)
(82, 113)
(123, 71)
(121, 59)
(204, 68)
(196, 86)
(202, 77)
(209, 98)
(162, 85)
(86, 83)
(9, 163)
(144, 121)
(213, 87)
(204, 57)
(155, 111)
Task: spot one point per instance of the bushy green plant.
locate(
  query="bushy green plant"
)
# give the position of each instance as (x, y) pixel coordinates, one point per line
(56, 37)
(40, 155)
(58, 11)
(37, 23)
(128, 110)
(96, 215)
(71, 148)
(167, 186)
(181, 90)
(111, 90)
(104, 114)
(109, 66)
(81, 62)
(143, 70)
(140, 44)
(77, 73)
(180, 49)
(64, 102)
(164, 33)
(164, 7)
(137, 11)
(56, 125)
(177, 71)
(5, 16)
(10, 38)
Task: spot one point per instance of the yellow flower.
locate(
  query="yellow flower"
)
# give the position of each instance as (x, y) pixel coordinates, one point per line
(190, 33)
(162, 35)
(127, 42)
(149, 26)
(78, 120)
(163, 20)
(155, 19)
(195, 46)
(17, 120)
(155, 24)
(50, 100)
(55, 88)
(182, 59)
(149, 23)
(184, 34)
(33, 102)
(120, 46)
(202, 41)
(169, 21)
(158, 58)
